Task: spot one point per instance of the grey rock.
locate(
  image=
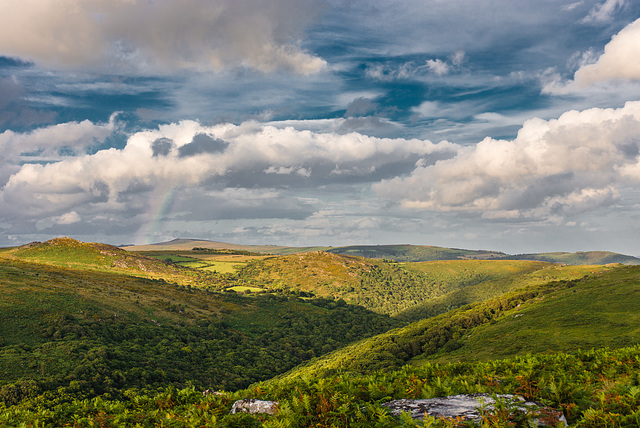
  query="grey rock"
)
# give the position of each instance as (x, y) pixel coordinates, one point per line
(468, 406)
(251, 405)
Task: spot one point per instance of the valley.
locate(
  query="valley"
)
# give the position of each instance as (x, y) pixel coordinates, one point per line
(96, 335)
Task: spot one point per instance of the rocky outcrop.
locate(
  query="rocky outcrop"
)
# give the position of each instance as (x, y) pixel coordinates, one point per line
(469, 407)
(252, 405)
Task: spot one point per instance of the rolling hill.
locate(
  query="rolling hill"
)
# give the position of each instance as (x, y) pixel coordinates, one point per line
(394, 288)
(563, 316)
(93, 335)
(70, 253)
(95, 332)
(401, 253)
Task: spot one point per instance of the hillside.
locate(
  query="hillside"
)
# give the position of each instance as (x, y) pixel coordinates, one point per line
(498, 277)
(592, 388)
(393, 288)
(601, 310)
(93, 332)
(93, 335)
(70, 253)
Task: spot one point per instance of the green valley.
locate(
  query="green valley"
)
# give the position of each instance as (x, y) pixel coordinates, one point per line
(94, 335)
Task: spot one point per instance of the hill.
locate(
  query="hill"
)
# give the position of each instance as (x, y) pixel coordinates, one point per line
(580, 258)
(401, 253)
(597, 311)
(394, 288)
(70, 253)
(592, 388)
(96, 336)
(189, 244)
(93, 332)
(496, 278)
(415, 253)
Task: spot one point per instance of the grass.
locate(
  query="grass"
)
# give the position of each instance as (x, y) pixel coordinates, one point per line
(603, 311)
(218, 262)
(69, 253)
(480, 280)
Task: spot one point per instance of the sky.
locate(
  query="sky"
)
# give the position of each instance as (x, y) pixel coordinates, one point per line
(504, 125)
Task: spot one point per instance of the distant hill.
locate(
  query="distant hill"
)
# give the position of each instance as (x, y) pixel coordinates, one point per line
(415, 253)
(580, 258)
(402, 253)
(423, 253)
(189, 244)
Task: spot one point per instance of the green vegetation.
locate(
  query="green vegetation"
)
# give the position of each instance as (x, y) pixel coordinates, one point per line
(594, 389)
(403, 289)
(490, 325)
(95, 332)
(69, 253)
(479, 280)
(92, 335)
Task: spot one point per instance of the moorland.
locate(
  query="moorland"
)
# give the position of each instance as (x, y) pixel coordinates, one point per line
(97, 335)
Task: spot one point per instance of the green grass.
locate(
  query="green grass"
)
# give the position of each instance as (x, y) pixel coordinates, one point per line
(480, 280)
(604, 311)
(223, 267)
(69, 253)
(242, 289)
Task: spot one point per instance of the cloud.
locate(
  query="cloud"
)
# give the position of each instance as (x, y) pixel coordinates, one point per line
(190, 155)
(552, 169)
(161, 35)
(437, 66)
(234, 203)
(13, 108)
(201, 144)
(74, 137)
(620, 61)
(361, 107)
(603, 12)
(409, 70)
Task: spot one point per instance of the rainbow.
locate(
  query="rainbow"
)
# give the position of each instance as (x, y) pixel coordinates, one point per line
(160, 205)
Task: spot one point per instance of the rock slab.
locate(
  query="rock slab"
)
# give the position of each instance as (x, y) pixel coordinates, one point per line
(251, 405)
(467, 407)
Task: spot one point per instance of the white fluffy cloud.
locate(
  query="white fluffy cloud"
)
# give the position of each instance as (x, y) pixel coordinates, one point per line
(49, 140)
(188, 154)
(151, 35)
(620, 61)
(553, 169)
